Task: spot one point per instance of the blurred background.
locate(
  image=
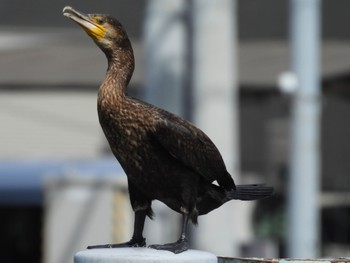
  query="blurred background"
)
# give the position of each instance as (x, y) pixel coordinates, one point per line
(217, 63)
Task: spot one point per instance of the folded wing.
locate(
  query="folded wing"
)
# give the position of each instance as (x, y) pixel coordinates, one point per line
(193, 148)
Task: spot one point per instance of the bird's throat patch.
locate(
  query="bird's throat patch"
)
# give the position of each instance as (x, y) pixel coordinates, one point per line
(96, 32)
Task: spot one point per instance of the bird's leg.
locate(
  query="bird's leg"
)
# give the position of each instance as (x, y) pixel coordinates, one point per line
(137, 239)
(185, 219)
(179, 246)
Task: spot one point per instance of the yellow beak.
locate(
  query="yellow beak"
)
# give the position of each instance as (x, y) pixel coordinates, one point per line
(91, 27)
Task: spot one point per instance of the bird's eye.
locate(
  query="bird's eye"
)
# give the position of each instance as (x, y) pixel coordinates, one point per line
(100, 21)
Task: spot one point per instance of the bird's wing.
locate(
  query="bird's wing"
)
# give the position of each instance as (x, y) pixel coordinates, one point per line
(194, 149)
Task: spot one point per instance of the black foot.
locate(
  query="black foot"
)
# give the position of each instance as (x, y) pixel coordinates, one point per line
(131, 243)
(177, 247)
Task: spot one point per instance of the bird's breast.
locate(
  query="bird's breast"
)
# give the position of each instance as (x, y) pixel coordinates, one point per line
(125, 132)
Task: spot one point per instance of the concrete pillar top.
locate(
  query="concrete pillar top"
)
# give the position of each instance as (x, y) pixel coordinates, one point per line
(131, 255)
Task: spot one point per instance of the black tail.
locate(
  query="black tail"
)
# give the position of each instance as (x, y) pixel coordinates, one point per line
(249, 192)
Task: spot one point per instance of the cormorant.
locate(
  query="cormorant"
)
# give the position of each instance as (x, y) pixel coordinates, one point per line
(164, 156)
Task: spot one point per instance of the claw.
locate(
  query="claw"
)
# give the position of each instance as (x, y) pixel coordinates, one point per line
(176, 247)
(131, 243)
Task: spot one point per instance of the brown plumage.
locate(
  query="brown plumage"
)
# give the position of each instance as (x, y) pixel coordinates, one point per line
(164, 156)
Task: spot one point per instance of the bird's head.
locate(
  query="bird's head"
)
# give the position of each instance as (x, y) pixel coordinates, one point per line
(105, 30)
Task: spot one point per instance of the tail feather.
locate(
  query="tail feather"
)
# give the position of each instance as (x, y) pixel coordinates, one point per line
(249, 192)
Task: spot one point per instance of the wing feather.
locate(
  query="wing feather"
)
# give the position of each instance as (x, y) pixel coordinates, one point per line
(193, 148)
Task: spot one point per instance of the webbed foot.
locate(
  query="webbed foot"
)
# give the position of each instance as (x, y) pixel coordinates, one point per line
(176, 247)
(131, 243)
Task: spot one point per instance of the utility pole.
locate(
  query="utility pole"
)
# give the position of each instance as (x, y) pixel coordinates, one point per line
(216, 112)
(304, 218)
(175, 47)
(165, 51)
(165, 75)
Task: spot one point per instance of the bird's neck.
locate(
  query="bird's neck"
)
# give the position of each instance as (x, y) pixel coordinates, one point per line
(119, 71)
